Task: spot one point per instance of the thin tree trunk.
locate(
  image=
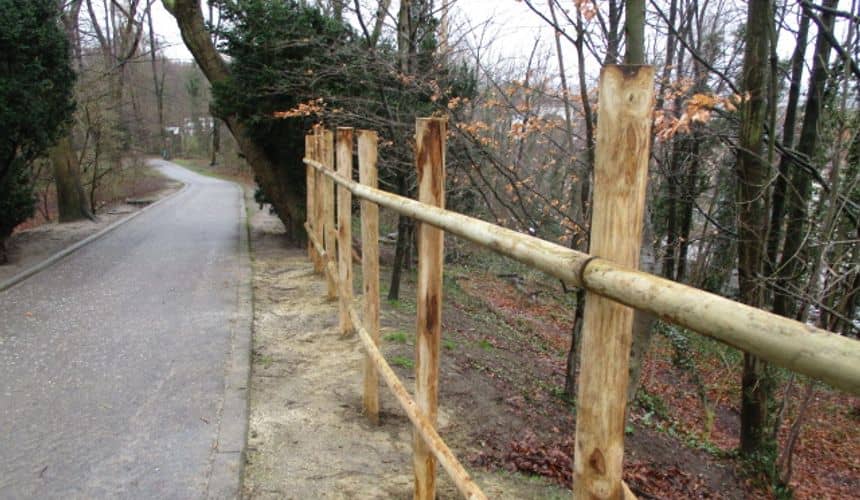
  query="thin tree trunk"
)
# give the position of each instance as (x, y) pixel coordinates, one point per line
(634, 31)
(404, 47)
(216, 141)
(752, 177)
(71, 201)
(157, 87)
(777, 215)
(399, 257)
(570, 379)
(687, 202)
(790, 265)
(613, 38)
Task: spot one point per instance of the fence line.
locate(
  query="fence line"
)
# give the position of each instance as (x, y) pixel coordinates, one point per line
(424, 425)
(626, 98)
(793, 345)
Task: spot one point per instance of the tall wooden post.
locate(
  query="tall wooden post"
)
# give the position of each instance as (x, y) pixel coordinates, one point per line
(430, 162)
(344, 227)
(319, 201)
(329, 231)
(626, 102)
(310, 187)
(367, 141)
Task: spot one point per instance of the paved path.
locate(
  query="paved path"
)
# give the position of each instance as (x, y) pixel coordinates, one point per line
(118, 363)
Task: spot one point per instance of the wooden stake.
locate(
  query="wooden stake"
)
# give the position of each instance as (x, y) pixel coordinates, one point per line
(329, 231)
(626, 102)
(367, 141)
(319, 201)
(310, 187)
(430, 163)
(344, 227)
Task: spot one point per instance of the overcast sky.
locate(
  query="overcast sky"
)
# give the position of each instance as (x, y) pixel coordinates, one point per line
(510, 23)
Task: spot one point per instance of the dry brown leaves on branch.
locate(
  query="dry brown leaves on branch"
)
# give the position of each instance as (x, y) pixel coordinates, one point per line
(697, 109)
(313, 107)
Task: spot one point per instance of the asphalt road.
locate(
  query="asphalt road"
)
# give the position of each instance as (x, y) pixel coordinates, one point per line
(123, 367)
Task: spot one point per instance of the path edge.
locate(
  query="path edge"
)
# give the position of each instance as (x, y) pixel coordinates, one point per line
(53, 259)
(227, 472)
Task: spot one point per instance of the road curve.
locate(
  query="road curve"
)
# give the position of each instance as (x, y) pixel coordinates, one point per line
(115, 362)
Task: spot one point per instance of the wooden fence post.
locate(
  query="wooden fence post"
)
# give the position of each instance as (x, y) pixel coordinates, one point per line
(310, 188)
(626, 102)
(430, 162)
(329, 231)
(319, 181)
(367, 141)
(344, 227)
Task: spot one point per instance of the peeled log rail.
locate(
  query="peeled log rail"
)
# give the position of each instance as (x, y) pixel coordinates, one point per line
(787, 343)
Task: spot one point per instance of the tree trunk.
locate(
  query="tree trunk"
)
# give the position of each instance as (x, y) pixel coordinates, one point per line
(158, 87)
(634, 31)
(777, 215)
(669, 255)
(687, 203)
(71, 201)
(286, 196)
(790, 264)
(613, 41)
(404, 52)
(4, 256)
(399, 257)
(216, 141)
(678, 152)
(570, 380)
(752, 179)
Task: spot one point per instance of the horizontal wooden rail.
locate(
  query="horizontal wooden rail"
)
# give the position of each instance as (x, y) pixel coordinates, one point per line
(555, 260)
(791, 344)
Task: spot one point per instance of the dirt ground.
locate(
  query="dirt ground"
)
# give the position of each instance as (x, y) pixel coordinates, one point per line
(502, 405)
(28, 247)
(307, 435)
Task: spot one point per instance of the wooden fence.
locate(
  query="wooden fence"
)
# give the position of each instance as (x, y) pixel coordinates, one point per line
(609, 276)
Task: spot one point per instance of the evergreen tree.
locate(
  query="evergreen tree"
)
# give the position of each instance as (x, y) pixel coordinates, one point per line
(36, 81)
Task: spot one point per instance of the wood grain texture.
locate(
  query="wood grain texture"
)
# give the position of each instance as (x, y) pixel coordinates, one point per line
(367, 174)
(626, 103)
(430, 163)
(310, 178)
(329, 230)
(344, 227)
(319, 189)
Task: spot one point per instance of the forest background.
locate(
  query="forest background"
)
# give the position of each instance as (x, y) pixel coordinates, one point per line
(753, 190)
